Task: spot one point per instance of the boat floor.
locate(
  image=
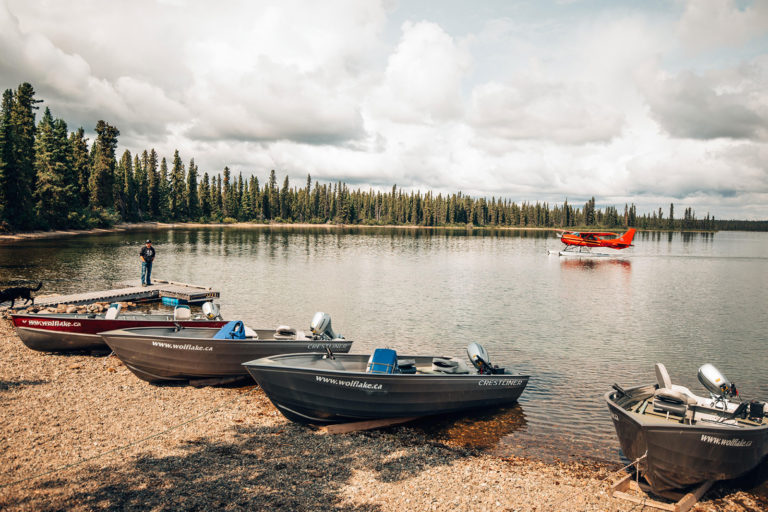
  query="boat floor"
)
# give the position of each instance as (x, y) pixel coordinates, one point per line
(698, 415)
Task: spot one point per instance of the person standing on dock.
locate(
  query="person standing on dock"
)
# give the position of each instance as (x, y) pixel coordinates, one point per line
(147, 254)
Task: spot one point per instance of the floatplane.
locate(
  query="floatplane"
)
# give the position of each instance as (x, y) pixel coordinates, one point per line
(581, 243)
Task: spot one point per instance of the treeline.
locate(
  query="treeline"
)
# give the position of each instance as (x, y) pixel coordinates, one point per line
(53, 179)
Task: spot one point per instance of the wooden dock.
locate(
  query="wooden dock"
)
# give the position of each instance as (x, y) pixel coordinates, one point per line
(132, 291)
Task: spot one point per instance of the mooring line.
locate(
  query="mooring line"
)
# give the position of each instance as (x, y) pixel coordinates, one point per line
(129, 445)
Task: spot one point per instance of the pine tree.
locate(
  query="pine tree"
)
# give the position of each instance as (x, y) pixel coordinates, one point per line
(81, 164)
(164, 192)
(7, 166)
(227, 206)
(129, 186)
(285, 209)
(176, 193)
(22, 177)
(192, 199)
(153, 184)
(141, 185)
(103, 165)
(56, 191)
(205, 196)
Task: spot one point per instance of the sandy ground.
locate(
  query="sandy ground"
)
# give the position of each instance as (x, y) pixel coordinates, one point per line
(80, 432)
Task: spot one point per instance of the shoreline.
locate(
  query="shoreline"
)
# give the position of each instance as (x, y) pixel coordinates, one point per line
(137, 226)
(139, 446)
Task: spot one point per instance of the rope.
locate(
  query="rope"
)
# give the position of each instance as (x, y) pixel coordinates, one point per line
(129, 445)
(637, 460)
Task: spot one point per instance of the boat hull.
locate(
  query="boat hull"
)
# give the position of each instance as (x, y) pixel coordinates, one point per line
(681, 456)
(326, 395)
(63, 332)
(156, 358)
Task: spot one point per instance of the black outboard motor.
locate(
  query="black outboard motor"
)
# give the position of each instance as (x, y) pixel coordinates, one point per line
(479, 358)
(756, 411)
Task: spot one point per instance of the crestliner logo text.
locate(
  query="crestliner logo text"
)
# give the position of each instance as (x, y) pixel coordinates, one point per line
(186, 346)
(348, 383)
(499, 382)
(738, 443)
(332, 346)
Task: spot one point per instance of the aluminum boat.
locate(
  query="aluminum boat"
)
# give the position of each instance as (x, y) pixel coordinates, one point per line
(207, 354)
(684, 440)
(62, 332)
(339, 388)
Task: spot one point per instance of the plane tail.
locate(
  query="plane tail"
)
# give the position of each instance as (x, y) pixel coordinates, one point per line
(626, 238)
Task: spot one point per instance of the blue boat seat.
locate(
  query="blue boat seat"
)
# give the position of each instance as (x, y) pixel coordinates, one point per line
(383, 360)
(233, 330)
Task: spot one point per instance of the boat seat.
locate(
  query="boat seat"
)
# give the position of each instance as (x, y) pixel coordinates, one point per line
(383, 360)
(284, 331)
(233, 330)
(449, 365)
(182, 313)
(113, 311)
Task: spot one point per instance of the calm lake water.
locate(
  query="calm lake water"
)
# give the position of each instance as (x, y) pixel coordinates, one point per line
(576, 326)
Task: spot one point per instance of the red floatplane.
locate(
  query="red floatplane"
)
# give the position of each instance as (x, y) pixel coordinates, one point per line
(580, 243)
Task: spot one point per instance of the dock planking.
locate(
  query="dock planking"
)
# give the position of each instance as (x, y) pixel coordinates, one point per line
(132, 291)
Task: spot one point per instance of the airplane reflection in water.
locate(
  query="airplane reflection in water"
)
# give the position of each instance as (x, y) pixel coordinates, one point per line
(594, 263)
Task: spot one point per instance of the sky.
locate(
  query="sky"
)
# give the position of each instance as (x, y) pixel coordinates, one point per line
(651, 103)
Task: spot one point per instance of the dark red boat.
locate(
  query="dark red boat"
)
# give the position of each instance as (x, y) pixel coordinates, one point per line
(61, 332)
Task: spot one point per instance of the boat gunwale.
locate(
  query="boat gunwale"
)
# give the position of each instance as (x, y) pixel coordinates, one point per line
(364, 374)
(639, 419)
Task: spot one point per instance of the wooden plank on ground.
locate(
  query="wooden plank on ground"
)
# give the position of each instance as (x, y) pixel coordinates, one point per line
(626, 483)
(343, 428)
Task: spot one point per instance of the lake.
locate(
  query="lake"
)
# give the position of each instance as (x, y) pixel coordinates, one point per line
(575, 325)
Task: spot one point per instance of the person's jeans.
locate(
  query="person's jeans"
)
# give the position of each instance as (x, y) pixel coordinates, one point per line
(146, 271)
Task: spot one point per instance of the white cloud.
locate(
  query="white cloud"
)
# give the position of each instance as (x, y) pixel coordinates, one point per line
(717, 23)
(533, 102)
(423, 79)
(722, 103)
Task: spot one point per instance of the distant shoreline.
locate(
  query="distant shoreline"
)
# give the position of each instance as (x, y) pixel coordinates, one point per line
(137, 226)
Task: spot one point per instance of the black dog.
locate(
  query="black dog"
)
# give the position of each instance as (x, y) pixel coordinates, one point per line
(19, 292)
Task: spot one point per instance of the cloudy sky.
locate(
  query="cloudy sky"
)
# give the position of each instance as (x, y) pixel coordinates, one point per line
(648, 102)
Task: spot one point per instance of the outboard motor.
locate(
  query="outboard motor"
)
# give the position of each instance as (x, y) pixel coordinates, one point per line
(479, 358)
(211, 310)
(716, 383)
(321, 327)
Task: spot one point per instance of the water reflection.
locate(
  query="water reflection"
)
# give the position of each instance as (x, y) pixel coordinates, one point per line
(595, 263)
(479, 429)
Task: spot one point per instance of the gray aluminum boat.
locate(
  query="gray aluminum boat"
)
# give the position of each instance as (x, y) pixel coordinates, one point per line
(688, 439)
(211, 354)
(325, 389)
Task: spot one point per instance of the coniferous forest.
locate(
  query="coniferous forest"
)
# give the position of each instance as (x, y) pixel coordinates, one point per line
(51, 178)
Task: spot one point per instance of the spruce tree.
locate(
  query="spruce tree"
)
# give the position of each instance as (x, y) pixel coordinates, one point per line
(163, 187)
(22, 177)
(141, 186)
(103, 165)
(285, 209)
(153, 184)
(47, 177)
(7, 166)
(176, 192)
(129, 187)
(192, 199)
(81, 164)
(205, 197)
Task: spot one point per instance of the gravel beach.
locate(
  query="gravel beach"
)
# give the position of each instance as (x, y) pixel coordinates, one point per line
(136, 446)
